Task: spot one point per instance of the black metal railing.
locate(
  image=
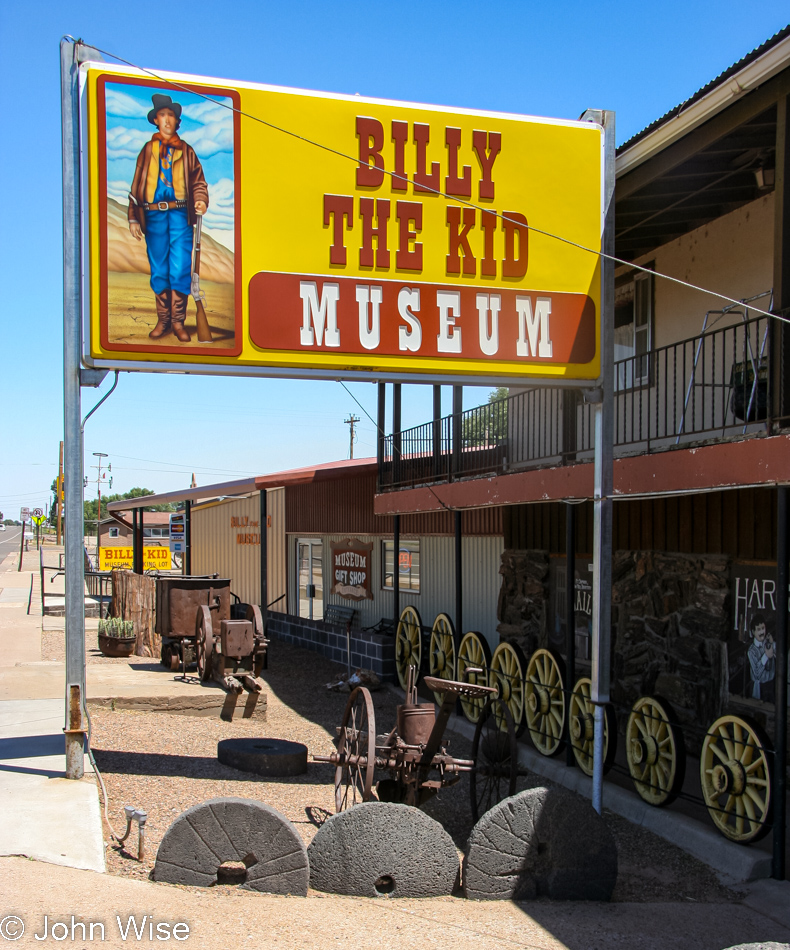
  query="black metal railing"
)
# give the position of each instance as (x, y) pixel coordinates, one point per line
(712, 386)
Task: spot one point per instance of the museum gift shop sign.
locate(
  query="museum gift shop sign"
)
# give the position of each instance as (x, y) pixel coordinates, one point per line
(351, 569)
(412, 241)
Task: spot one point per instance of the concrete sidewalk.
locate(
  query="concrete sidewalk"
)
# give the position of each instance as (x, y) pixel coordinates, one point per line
(45, 816)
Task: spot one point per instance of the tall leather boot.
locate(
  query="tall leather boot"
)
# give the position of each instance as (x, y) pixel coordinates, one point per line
(179, 312)
(163, 315)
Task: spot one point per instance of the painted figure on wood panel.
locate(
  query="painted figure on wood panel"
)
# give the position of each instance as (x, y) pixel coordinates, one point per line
(168, 194)
(171, 218)
(762, 658)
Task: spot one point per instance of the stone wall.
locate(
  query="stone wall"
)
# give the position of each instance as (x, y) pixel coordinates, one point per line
(523, 599)
(670, 622)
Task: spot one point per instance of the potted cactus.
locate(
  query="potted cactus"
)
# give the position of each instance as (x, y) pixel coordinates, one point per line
(116, 637)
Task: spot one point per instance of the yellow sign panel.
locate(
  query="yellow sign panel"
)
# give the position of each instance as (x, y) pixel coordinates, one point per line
(400, 240)
(154, 558)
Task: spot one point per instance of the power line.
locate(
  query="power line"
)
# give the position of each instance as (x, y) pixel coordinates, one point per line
(437, 191)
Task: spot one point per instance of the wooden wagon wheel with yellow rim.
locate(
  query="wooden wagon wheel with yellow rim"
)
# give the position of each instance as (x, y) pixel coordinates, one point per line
(581, 728)
(473, 653)
(544, 710)
(736, 778)
(506, 673)
(408, 644)
(442, 651)
(655, 751)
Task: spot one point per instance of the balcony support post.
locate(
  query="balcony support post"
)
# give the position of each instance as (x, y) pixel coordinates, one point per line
(396, 433)
(459, 575)
(570, 615)
(780, 349)
(458, 408)
(381, 422)
(603, 400)
(437, 431)
(396, 569)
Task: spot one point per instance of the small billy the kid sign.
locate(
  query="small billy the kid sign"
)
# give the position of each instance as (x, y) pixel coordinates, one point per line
(401, 240)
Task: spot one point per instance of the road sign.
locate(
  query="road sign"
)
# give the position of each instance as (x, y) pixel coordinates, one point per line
(24, 514)
(418, 243)
(38, 520)
(37, 512)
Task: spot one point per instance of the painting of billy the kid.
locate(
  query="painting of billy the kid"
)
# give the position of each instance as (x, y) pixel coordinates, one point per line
(170, 219)
(762, 659)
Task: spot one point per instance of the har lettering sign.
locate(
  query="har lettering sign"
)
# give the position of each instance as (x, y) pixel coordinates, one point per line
(351, 569)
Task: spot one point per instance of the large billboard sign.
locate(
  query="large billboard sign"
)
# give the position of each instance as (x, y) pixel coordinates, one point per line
(410, 242)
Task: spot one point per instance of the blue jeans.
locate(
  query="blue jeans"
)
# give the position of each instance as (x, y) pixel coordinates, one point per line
(168, 240)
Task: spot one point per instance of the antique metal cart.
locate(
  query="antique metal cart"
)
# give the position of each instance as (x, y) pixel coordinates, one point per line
(414, 753)
(194, 617)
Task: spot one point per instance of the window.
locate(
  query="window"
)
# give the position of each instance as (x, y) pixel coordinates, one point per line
(114, 532)
(633, 322)
(408, 565)
(156, 532)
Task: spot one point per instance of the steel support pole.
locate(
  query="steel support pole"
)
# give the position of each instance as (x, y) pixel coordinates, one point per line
(397, 442)
(187, 537)
(603, 489)
(381, 422)
(436, 431)
(458, 408)
(73, 461)
(396, 568)
(779, 778)
(570, 617)
(264, 517)
(459, 579)
(134, 540)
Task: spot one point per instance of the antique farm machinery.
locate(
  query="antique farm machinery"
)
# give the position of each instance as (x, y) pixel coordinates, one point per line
(415, 754)
(735, 754)
(194, 619)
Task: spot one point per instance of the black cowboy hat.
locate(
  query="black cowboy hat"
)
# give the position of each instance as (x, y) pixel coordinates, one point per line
(163, 102)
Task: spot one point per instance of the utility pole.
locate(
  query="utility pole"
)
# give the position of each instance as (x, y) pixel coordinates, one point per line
(352, 437)
(99, 456)
(59, 492)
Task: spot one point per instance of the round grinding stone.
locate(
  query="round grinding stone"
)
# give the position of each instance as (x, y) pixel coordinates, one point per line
(268, 757)
(263, 848)
(380, 848)
(544, 842)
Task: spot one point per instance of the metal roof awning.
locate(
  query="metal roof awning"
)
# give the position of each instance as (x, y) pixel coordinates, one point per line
(244, 486)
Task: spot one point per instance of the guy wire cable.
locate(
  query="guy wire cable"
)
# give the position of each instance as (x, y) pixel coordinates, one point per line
(436, 191)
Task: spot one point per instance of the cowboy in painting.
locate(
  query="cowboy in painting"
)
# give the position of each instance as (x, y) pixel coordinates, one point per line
(168, 191)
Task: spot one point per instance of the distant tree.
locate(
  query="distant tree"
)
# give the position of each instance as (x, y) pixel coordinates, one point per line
(487, 424)
(91, 506)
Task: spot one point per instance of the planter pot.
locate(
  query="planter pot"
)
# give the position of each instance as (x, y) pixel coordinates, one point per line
(116, 646)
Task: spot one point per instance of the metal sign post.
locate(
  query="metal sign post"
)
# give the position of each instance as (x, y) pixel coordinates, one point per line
(603, 400)
(70, 55)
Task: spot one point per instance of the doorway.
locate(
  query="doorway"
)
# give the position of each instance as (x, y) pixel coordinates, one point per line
(310, 578)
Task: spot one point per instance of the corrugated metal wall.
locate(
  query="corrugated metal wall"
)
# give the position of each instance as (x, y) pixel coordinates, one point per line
(346, 505)
(215, 547)
(741, 523)
(481, 560)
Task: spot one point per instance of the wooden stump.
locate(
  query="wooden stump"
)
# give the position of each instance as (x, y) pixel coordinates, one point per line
(134, 598)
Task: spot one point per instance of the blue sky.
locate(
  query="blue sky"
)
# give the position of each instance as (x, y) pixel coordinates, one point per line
(531, 57)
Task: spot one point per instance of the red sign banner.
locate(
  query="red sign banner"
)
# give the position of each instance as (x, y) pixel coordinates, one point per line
(297, 313)
(352, 564)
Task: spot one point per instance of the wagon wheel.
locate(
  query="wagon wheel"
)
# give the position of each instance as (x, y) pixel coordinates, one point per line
(506, 674)
(545, 701)
(736, 779)
(473, 652)
(581, 728)
(408, 644)
(356, 746)
(495, 754)
(204, 636)
(655, 751)
(442, 652)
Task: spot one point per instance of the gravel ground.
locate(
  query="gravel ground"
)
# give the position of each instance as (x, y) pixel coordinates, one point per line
(165, 764)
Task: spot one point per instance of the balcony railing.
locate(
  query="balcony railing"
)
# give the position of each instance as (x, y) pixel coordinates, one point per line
(709, 387)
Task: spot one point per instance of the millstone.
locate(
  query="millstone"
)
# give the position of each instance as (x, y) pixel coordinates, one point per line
(233, 832)
(270, 757)
(380, 848)
(540, 843)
